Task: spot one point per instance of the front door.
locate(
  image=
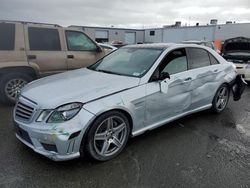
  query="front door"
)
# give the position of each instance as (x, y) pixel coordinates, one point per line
(82, 51)
(170, 97)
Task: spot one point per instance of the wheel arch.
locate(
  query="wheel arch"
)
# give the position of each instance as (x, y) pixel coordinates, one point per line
(19, 69)
(226, 83)
(126, 113)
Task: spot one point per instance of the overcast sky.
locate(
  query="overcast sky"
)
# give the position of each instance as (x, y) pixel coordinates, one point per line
(125, 13)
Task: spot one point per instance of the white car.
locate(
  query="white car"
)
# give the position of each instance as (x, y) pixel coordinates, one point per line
(237, 50)
(136, 88)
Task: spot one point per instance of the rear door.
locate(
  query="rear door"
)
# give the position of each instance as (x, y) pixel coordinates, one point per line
(207, 74)
(45, 49)
(81, 50)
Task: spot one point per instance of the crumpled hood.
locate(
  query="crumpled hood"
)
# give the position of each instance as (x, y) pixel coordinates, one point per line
(80, 85)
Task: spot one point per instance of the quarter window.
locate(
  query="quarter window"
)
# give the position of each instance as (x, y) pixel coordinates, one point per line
(175, 62)
(7, 36)
(213, 60)
(77, 41)
(198, 58)
(44, 39)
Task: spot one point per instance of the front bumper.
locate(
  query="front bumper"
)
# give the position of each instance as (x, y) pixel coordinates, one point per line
(59, 142)
(50, 154)
(244, 69)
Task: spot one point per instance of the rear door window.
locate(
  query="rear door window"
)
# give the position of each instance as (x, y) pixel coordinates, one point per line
(44, 39)
(7, 36)
(197, 58)
(77, 41)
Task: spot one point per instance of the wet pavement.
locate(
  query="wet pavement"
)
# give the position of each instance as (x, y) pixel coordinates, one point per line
(200, 150)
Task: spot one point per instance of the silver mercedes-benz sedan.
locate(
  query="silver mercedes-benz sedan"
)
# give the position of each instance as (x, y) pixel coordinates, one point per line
(137, 88)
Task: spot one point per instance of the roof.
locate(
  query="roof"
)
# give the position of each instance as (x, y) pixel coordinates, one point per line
(162, 45)
(153, 45)
(26, 22)
(192, 42)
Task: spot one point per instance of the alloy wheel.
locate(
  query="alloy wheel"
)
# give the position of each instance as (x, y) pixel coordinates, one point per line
(222, 98)
(13, 88)
(110, 136)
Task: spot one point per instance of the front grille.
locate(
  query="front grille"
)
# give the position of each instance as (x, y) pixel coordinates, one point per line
(24, 112)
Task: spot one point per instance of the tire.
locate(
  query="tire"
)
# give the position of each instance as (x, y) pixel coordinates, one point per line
(221, 98)
(107, 136)
(11, 85)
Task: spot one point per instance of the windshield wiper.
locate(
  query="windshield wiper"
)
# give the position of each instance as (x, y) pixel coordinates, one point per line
(106, 71)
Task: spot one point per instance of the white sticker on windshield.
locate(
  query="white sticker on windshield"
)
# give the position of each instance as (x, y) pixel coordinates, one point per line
(136, 74)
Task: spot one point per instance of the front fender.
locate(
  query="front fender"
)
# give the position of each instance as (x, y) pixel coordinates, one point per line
(131, 102)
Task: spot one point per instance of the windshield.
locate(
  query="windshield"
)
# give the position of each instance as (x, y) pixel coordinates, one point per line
(128, 61)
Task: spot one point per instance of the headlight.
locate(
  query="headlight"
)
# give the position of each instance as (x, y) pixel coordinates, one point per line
(43, 115)
(61, 114)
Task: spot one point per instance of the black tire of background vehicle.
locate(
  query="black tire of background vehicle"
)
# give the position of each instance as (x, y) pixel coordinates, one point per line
(89, 146)
(4, 99)
(214, 107)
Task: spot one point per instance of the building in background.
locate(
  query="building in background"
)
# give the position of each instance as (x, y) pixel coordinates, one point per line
(111, 35)
(211, 32)
(170, 33)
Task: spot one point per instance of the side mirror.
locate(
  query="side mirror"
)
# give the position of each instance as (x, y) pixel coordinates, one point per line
(164, 75)
(164, 84)
(99, 48)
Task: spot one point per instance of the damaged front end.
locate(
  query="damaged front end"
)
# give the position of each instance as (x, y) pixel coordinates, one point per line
(237, 51)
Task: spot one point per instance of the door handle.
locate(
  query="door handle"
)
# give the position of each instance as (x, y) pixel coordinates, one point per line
(70, 56)
(187, 79)
(31, 57)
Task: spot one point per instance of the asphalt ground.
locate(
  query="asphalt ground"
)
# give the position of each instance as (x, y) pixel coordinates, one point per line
(200, 150)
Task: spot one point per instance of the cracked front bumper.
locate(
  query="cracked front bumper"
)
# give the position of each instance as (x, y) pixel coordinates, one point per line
(59, 142)
(49, 154)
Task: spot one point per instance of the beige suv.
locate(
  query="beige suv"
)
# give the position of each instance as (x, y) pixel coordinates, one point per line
(32, 50)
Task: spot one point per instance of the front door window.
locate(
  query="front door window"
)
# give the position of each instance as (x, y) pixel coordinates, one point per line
(77, 41)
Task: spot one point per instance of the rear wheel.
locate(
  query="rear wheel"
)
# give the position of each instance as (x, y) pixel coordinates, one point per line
(220, 99)
(11, 85)
(108, 136)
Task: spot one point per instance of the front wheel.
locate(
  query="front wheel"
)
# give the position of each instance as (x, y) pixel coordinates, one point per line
(108, 136)
(220, 99)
